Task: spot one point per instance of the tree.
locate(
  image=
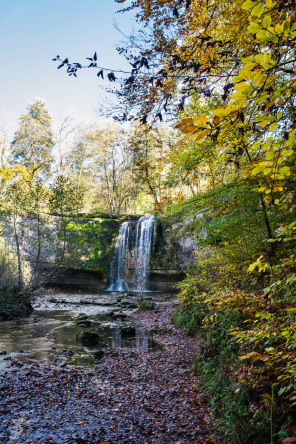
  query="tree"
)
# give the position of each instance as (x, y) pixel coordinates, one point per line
(100, 163)
(33, 142)
(149, 149)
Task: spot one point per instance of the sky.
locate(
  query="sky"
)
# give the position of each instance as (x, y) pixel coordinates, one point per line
(32, 32)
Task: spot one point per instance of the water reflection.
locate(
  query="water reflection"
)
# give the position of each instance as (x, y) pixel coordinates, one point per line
(48, 334)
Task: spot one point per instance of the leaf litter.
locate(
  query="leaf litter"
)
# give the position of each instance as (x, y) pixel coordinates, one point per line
(131, 396)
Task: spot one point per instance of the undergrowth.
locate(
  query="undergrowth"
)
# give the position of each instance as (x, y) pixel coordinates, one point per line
(246, 330)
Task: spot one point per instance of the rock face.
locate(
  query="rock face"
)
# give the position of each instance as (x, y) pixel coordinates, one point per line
(172, 252)
(67, 277)
(185, 249)
(86, 244)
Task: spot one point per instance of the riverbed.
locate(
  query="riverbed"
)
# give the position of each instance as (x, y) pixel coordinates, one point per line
(49, 334)
(130, 395)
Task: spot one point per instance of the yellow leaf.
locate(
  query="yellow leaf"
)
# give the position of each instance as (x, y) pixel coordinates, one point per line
(216, 120)
(269, 4)
(203, 134)
(279, 28)
(272, 127)
(258, 10)
(263, 123)
(188, 129)
(238, 96)
(200, 121)
(266, 171)
(183, 122)
(276, 201)
(281, 101)
(243, 87)
(256, 170)
(266, 22)
(279, 115)
(245, 71)
(257, 144)
(289, 153)
(269, 154)
(253, 28)
(270, 104)
(285, 171)
(248, 4)
(220, 112)
(237, 79)
(250, 354)
(263, 36)
(265, 146)
(277, 189)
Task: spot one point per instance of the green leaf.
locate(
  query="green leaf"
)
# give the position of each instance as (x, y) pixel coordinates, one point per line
(266, 22)
(247, 5)
(285, 171)
(258, 10)
(253, 28)
(286, 26)
(237, 79)
(263, 37)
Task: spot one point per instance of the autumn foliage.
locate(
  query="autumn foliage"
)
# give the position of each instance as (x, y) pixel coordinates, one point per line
(227, 72)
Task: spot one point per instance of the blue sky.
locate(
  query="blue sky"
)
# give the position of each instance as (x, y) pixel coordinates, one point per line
(32, 32)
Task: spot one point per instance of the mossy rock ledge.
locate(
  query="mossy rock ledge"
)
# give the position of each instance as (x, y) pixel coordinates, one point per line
(89, 337)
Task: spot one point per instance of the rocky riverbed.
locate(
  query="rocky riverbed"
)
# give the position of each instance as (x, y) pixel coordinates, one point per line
(125, 395)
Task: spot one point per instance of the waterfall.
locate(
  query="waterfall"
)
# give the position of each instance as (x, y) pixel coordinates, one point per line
(118, 282)
(130, 263)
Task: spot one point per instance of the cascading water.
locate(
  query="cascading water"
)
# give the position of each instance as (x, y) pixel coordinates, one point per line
(118, 282)
(133, 247)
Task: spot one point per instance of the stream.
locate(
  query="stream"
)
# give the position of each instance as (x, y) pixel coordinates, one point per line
(49, 334)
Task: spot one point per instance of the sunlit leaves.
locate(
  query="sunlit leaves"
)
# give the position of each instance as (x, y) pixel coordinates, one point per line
(266, 22)
(248, 4)
(200, 121)
(258, 10)
(272, 127)
(254, 28)
(187, 129)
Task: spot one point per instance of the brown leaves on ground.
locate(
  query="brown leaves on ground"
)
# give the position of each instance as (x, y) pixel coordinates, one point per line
(131, 397)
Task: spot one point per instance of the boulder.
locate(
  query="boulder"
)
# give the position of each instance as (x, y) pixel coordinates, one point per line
(88, 337)
(81, 316)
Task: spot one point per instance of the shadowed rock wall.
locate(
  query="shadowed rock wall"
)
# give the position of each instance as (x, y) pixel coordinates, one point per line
(85, 244)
